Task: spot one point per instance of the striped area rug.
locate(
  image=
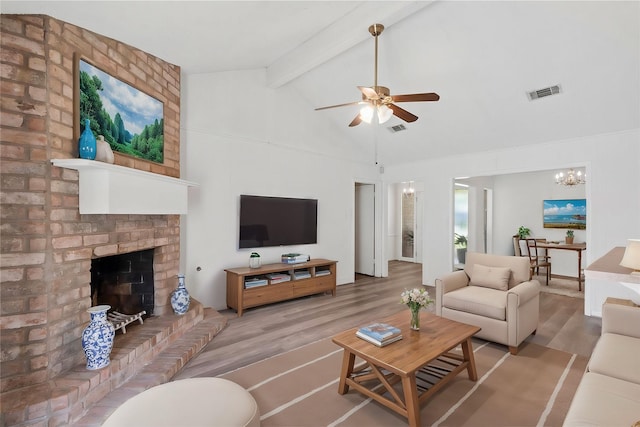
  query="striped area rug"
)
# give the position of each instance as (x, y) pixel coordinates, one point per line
(534, 388)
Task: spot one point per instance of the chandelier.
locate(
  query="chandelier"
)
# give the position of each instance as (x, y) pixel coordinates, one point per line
(571, 178)
(408, 190)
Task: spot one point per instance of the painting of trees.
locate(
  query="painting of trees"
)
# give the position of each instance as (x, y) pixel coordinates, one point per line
(131, 121)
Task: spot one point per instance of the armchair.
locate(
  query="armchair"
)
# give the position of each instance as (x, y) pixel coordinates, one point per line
(493, 292)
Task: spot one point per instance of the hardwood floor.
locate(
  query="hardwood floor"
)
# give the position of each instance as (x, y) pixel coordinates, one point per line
(266, 331)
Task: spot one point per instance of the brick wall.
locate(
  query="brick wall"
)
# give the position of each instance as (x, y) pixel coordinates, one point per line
(46, 245)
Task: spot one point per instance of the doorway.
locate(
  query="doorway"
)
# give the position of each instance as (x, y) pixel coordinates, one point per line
(460, 224)
(364, 229)
(409, 220)
(474, 221)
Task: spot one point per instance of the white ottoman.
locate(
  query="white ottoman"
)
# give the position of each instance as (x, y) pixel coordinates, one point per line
(192, 402)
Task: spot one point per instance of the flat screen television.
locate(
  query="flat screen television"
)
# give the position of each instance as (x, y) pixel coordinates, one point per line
(277, 221)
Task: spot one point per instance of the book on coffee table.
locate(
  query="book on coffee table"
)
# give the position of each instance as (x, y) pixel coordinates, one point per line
(376, 342)
(379, 334)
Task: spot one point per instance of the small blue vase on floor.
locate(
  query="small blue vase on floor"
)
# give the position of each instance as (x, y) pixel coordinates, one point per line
(87, 146)
(180, 298)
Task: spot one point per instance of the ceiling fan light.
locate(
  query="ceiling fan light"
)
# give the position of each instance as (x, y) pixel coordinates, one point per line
(366, 113)
(384, 113)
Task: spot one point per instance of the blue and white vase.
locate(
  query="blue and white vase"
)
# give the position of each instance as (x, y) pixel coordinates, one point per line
(87, 146)
(97, 338)
(180, 298)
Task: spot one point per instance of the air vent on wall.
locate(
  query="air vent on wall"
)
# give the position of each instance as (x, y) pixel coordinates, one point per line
(396, 128)
(547, 91)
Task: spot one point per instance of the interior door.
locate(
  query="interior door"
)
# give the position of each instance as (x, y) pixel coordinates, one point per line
(365, 229)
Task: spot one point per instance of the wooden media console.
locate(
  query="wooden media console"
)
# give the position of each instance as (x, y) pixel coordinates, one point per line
(253, 287)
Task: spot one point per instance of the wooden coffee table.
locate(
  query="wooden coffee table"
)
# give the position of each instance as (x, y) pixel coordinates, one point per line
(421, 361)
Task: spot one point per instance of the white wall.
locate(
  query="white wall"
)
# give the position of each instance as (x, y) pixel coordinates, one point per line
(233, 148)
(612, 190)
(273, 144)
(518, 201)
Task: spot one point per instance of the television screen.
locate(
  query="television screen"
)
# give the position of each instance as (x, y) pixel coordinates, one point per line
(277, 221)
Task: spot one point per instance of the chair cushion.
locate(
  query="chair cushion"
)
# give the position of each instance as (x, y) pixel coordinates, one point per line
(490, 277)
(520, 266)
(603, 401)
(617, 356)
(478, 300)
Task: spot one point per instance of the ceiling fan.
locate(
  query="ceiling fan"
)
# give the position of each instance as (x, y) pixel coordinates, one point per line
(378, 99)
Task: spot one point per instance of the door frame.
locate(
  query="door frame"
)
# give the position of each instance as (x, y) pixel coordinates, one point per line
(380, 261)
(417, 217)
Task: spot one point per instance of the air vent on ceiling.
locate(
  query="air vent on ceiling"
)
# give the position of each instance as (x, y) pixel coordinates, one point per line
(396, 128)
(547, 91)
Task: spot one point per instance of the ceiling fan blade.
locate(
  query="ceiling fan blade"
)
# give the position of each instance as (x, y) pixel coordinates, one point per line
(339, 105)
(416, 97)
(356, 121)
(369, 92)
(403, 114)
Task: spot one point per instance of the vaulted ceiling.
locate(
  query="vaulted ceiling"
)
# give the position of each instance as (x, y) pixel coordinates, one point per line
(481, 57)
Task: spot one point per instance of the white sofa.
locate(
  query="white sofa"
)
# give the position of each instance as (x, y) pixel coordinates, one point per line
(493, 292)
(609, 392)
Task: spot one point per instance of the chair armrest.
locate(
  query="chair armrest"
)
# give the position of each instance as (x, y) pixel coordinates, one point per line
(447, 283)
(525, 291)
(452, 281)
(621, 319)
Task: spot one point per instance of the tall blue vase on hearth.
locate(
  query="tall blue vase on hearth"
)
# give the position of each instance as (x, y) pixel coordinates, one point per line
(87, 146)
(97, 338)
(180, 298)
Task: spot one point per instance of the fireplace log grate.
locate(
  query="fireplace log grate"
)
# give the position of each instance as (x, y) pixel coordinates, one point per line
(120, 321)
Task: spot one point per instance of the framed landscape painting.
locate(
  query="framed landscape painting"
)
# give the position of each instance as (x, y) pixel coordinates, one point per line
(131, 121)
(569, 213)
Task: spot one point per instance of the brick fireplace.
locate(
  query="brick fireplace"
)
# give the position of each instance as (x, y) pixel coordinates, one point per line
(47, 245)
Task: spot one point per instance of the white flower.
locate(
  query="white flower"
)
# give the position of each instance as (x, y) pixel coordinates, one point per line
(415, 298)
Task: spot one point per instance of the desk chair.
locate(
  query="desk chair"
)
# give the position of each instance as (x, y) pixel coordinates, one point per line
(538, 259)
(516, 245)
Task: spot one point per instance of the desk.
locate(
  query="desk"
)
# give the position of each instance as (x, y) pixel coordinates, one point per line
(578, 247)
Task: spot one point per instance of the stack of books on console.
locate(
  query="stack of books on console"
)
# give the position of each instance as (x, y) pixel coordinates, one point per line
(254, 282)
(323, 272)
(302, 274)
(380, 334)
(278, 278)
(294, 258)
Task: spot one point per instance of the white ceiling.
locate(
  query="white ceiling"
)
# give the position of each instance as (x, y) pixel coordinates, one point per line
(480, 57)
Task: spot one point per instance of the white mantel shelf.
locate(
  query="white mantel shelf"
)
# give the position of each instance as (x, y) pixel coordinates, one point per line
(112, 189)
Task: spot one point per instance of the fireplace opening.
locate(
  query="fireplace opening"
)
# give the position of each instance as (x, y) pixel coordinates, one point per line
(125, 282)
